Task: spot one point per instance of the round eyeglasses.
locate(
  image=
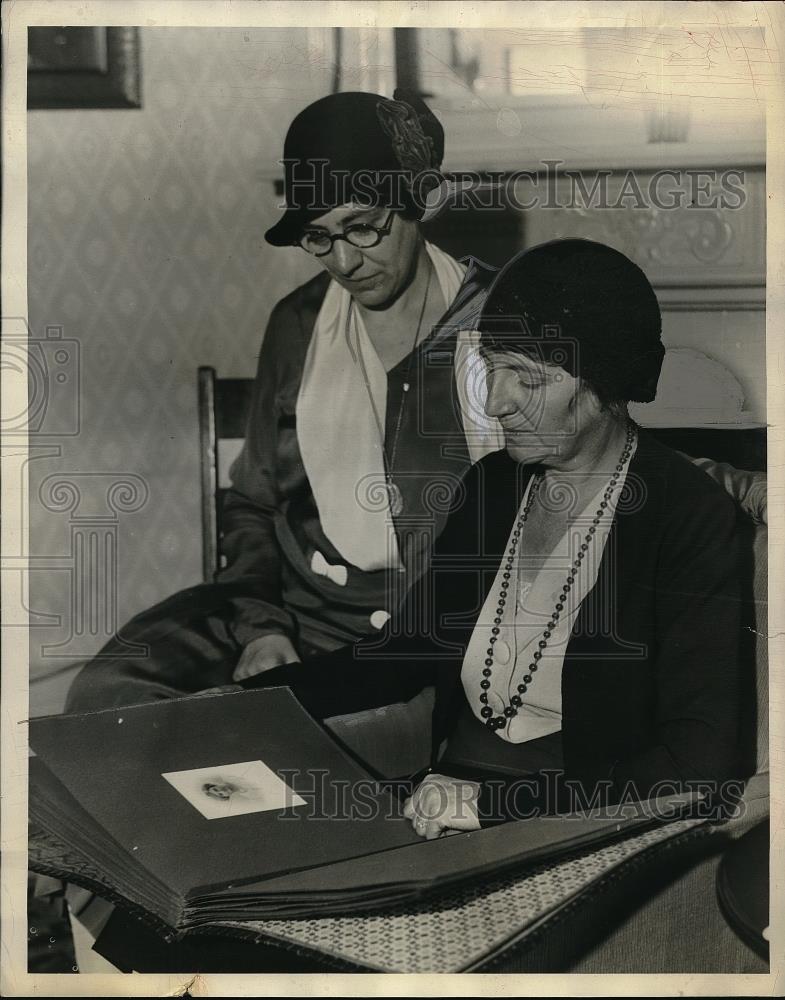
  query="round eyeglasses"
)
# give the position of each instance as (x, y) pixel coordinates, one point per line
(359, 234)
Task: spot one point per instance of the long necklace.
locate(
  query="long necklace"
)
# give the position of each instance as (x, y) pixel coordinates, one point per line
(394, 495)
(500, 721)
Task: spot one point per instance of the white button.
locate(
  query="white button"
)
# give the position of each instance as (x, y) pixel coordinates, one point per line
(501, 651)
(336, 574)
(380, 618)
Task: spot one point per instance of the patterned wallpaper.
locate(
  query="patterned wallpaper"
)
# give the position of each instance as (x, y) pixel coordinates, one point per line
(146, 248)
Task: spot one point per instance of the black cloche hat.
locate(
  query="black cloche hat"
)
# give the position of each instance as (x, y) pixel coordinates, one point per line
(583, 306)
(352, 145)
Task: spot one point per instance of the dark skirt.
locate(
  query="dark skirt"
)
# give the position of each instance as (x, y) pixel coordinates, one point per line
(181, 646)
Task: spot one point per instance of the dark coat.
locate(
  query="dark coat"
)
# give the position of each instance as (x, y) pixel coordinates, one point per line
(650, 675)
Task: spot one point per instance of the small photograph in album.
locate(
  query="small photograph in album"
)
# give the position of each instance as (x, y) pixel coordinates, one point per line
(233, 789)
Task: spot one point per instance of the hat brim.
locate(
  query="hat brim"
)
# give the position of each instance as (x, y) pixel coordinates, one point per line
(288, 229)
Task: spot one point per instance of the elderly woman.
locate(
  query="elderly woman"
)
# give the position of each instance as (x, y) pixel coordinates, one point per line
(580, 617)
(362, 406)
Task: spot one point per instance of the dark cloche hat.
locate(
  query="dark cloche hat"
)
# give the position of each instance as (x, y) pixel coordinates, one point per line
(584, 306)
(352, 145)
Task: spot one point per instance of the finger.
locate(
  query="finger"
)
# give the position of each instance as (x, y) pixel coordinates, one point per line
(414, 801)
(429, 803)
(418, 807)
(252, 666)
(210, 692)
(433, 829)
(419, 825)
(241, 671)
(408, 809)
(238, 673)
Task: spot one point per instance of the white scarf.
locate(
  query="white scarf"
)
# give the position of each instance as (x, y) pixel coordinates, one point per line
(338, 434)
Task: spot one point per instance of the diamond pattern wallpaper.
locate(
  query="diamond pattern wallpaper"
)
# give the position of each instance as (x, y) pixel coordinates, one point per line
(146, 260)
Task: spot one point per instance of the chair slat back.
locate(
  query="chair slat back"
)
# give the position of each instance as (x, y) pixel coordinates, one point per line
(223, 408)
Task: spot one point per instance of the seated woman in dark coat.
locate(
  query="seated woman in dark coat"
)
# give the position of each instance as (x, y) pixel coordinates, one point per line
(580, 619)
(359, 413)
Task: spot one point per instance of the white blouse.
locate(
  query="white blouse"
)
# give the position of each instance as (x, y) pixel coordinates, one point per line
(527, 611)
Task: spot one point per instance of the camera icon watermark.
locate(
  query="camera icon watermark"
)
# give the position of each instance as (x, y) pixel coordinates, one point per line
(51, 365)
(36, 427)
(478, 368)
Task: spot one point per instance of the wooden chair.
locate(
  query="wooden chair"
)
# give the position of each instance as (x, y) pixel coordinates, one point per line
(223, 408)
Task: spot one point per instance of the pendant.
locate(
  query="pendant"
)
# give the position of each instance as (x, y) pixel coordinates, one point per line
(395, 499)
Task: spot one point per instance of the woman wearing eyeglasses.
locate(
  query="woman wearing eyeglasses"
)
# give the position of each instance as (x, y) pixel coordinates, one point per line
(365, 416)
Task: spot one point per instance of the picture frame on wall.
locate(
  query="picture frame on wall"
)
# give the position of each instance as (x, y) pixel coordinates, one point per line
(83, 68)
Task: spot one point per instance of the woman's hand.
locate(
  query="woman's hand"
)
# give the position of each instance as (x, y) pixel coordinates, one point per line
(442, 805)
(263, 654)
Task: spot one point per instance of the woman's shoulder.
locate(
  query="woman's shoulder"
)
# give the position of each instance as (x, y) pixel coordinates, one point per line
(483, 506)
(686, 491)
(302, 301)
(495, 468)
(291, 324)
(497, 482)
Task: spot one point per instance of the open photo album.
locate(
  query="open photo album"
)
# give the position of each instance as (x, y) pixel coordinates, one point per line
(242, 807)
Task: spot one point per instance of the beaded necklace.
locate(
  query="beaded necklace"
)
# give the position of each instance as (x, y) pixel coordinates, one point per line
(500, 721)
